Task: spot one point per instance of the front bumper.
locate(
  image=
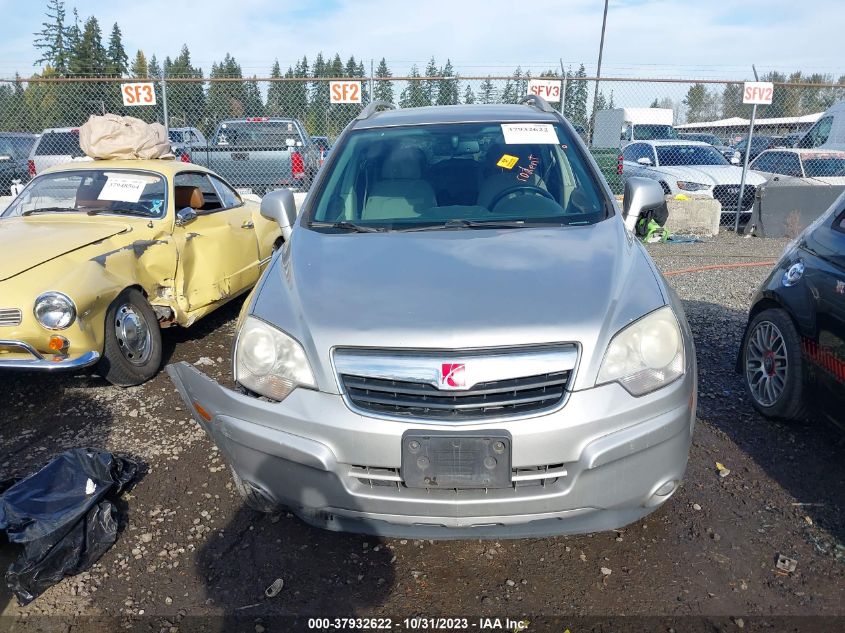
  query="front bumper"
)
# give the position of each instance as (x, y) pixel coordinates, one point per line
(18, 355)
(615, 459)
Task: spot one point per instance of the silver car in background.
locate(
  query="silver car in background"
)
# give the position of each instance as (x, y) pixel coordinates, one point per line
(459, 339)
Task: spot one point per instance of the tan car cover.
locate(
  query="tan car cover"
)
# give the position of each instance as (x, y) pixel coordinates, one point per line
(123, 137)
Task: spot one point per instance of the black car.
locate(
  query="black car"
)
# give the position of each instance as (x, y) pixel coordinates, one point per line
(14, 153)
(759, 143)
(792, 357)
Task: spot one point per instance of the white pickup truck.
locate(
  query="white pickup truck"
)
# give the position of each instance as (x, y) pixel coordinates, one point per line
(616, 128)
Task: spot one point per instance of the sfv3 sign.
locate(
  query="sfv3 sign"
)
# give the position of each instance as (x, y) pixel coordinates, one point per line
(549, 89)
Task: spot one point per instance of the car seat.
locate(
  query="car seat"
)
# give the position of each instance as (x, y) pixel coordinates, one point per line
(401, 192)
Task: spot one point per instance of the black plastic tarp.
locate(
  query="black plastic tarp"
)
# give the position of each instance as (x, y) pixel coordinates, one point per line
(65, 517)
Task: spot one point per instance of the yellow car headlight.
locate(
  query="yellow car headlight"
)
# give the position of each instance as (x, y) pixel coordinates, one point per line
(54, 310)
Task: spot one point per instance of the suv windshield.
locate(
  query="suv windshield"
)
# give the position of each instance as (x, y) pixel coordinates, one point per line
(652, 132)
(463, 174)
(92, 191)
(668, 155)
(258, 134)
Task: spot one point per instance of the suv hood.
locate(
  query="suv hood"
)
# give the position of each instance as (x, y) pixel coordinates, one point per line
(456, 289)
(29, 242)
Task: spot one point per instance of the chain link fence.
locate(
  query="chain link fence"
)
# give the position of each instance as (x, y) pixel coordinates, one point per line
(686, 134)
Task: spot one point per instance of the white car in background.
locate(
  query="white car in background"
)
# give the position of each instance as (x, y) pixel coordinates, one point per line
(802, 166)
(692, 168)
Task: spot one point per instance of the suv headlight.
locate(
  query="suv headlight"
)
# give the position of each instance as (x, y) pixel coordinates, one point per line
(645, 355)
(269, 362)
(692, 186)
(54, 310)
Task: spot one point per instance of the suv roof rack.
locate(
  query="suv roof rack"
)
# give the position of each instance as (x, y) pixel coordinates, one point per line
(373, 107)
(537, 102)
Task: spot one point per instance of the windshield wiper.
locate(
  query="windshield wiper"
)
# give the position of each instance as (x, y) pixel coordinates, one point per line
(347, 226)
(47, 210)
(470, 224)
(129, 211)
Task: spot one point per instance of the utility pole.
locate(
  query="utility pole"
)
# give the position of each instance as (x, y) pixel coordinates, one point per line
(598, 73)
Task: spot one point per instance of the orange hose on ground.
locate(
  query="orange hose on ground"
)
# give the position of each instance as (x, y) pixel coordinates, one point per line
(718, 267)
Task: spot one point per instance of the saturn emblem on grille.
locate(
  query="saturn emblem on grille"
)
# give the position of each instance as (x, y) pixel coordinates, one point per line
(453, 376)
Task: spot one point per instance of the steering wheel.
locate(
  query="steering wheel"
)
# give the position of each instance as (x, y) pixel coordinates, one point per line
(527, 189)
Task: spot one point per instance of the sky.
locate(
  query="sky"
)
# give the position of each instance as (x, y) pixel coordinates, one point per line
(645, 38)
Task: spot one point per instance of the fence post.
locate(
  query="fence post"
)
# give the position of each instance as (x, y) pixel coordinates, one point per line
(371, 81)
(164, 105)
(562, 86)
(745, 159)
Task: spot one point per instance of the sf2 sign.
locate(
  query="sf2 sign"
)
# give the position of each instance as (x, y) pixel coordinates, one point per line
(138, 94)
(549, 89)
(345, 92)
(759, 92)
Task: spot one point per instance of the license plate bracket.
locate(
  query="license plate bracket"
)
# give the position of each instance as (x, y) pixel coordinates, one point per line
(449, 459)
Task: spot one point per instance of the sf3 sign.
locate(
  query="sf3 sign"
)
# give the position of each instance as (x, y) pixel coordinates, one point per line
(759, 92)
(549, 89)
(138, 94)
(345, 92)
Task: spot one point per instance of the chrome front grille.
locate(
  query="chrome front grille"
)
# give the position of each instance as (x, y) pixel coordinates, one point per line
(10, 317)
(487, 399)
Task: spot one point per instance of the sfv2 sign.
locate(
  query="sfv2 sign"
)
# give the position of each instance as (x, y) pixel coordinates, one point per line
(143, 93)
(344, 92)
(549, 89)
(759, 92)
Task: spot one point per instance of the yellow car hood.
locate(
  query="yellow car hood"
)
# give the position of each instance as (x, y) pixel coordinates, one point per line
(27, 242)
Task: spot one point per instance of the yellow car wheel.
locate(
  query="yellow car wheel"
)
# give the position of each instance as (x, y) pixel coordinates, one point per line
(132, 349)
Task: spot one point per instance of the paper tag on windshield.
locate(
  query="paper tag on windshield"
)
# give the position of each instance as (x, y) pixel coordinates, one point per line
(529, 133)
(122, 189)
(507, 161)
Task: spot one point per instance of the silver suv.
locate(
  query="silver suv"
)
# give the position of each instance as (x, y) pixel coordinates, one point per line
(459, 339)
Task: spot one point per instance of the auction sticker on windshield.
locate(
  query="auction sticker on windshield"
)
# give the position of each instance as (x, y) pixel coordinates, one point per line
(122, 189)
(529, 133)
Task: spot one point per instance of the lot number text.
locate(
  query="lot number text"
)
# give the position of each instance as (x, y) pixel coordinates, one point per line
(138, 94)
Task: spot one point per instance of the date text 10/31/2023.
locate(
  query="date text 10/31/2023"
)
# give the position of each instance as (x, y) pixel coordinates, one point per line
(419, 624)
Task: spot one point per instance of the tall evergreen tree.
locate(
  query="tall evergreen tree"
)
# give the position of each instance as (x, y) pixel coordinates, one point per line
(319, 103)
(153, 69)
(430, 85)
(487, 92)
(383, 90)
(447, 88)
(696, 102)
(275, 91)
(118, 61)
(89, 57)
(51, 40)
(469, 95)
(139, 67)
(185, 100)
(413, 95)
(577, 93)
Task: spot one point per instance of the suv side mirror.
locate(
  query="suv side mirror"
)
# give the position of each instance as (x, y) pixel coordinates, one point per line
(644, 160)
(641, 194)
(280, 207)
(185, 216)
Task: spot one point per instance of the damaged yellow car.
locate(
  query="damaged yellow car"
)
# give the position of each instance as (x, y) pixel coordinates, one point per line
(97, 257)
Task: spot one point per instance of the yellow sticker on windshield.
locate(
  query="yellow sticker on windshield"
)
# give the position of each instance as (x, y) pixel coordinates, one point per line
(507, 161)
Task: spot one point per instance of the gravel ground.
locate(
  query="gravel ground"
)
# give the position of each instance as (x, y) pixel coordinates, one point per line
(189, 548)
